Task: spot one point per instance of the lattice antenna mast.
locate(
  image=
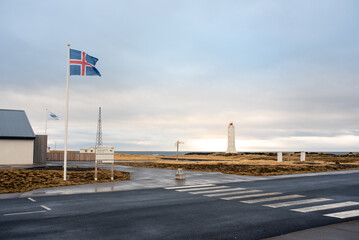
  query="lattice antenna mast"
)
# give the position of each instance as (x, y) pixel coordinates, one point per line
(99, 129)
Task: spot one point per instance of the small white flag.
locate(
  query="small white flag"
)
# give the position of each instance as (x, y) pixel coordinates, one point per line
(52, 116)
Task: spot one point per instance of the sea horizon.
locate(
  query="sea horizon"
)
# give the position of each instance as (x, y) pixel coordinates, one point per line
(169, 153)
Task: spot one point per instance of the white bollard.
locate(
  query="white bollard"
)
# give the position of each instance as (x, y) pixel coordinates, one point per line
(302, 156)
(180, 174)
(279, 156)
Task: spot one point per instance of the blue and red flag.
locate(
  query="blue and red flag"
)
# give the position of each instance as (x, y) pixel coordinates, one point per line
(82, 64)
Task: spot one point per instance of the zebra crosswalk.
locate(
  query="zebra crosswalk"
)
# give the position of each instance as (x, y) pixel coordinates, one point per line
(202, 188)
(345, 214)
(193, 186)
(216, 191)
(325, 207)
(251, 195)
(232, 193)
(273, 199)
(299, 202)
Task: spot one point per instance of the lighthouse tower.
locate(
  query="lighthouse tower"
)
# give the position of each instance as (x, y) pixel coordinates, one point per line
(231, 139)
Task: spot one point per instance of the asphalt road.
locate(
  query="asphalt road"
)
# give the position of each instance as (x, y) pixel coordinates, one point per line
(244, 210)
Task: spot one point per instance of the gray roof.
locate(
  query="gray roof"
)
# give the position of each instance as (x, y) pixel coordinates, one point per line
(15, 124)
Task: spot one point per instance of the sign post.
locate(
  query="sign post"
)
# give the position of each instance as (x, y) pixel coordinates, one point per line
(105, 154)
(95, 170)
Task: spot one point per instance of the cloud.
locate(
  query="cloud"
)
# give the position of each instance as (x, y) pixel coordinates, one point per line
(284, 73)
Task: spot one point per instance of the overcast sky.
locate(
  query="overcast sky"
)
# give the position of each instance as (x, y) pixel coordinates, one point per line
(286, 73)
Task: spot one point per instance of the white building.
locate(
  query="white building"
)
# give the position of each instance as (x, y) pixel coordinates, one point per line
(89, 150)
(231, 139)
(17, 138)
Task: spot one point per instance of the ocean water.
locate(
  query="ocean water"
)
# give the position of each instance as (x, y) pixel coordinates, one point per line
(169, 153)
(158, 153)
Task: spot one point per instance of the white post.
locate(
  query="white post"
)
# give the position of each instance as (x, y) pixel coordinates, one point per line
(112, 168)
(302, 156)
(67, 111)
(177, 143)
(95, 170)
(279, 156)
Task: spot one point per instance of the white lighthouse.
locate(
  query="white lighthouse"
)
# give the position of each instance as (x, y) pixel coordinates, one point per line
(231, 139)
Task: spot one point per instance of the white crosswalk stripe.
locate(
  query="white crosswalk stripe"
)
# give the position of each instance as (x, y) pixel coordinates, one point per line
(252, 196)
(227, 193)
(300, 202)
(345, 214)
(193, 186)
(272, 199)
(220, 190)
(232, 193)
(325, 207)
(197, 189)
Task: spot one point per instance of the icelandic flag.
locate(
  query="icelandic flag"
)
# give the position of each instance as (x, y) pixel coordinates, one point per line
(82, 64)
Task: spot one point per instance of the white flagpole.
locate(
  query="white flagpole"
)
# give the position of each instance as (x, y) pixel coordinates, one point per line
(46, 123)
(67, 111)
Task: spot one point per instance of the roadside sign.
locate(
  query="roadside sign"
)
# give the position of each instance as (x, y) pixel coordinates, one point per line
(105, 154)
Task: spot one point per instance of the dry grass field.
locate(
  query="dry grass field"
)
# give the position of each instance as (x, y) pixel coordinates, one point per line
(260, 164)
(254, 164)
(23, 180)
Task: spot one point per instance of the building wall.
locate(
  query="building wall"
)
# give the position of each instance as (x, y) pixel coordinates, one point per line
(15, 151)
(40, 149)
(71, 156)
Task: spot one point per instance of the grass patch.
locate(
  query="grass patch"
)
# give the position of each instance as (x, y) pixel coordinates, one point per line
(254, 164)
(23, 180)
(239, 169)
